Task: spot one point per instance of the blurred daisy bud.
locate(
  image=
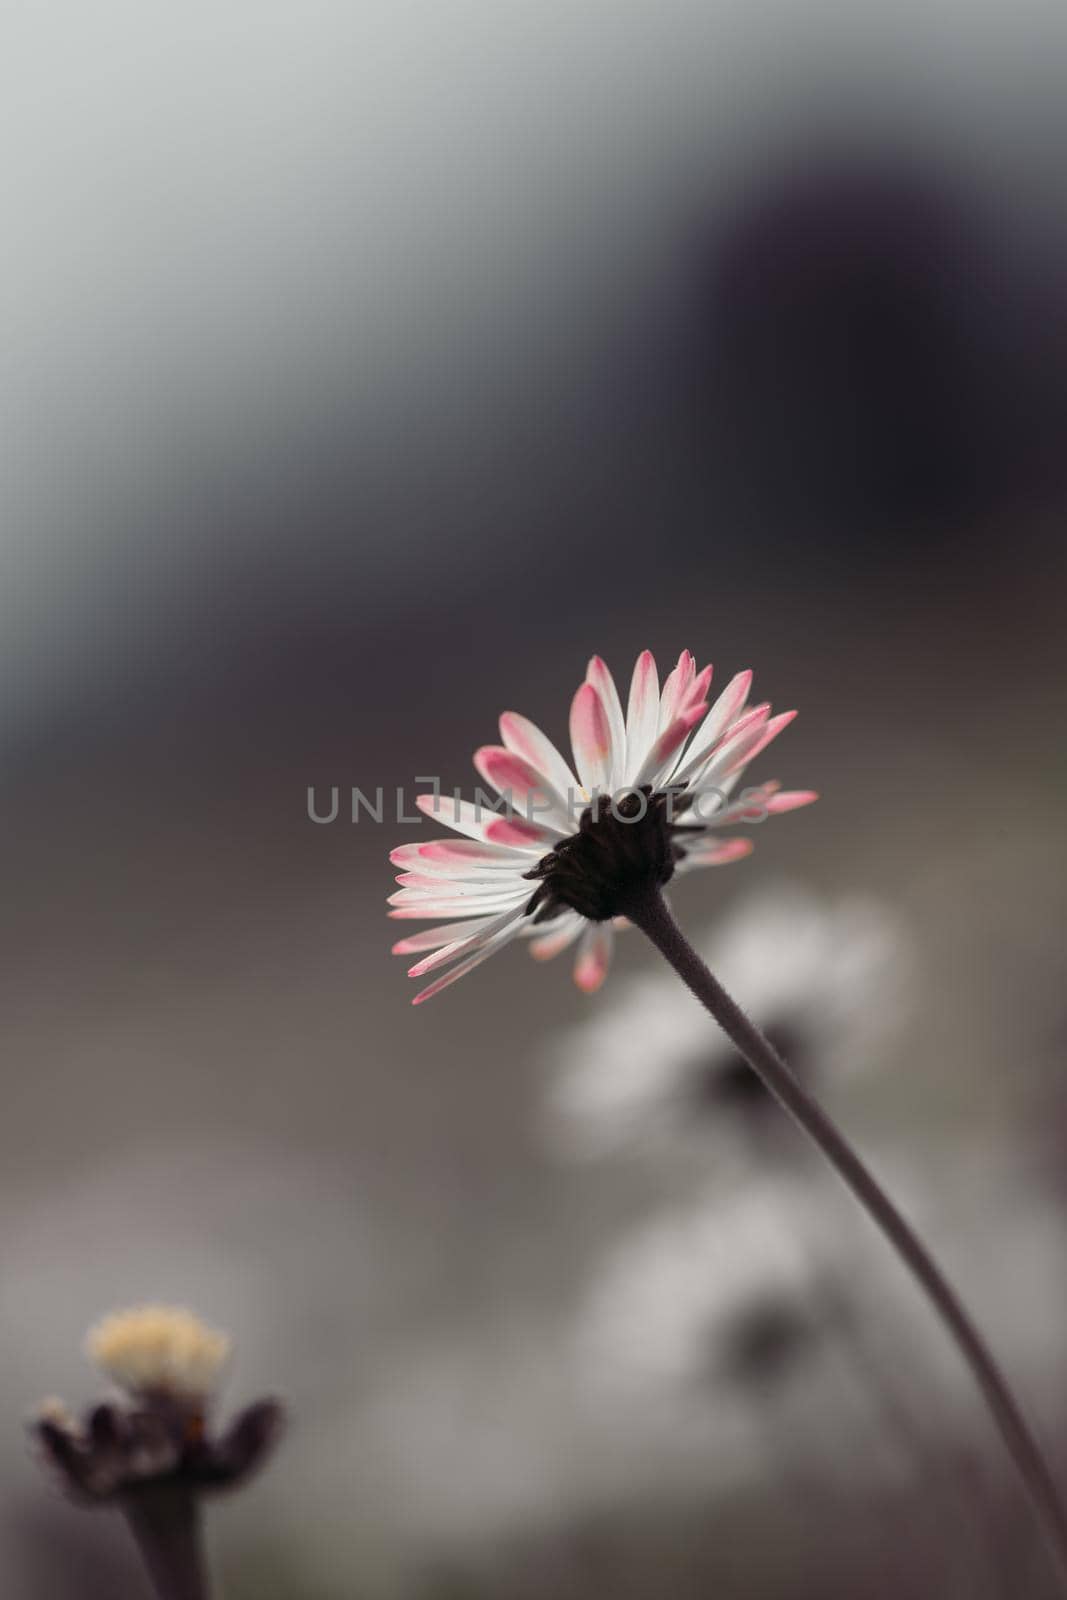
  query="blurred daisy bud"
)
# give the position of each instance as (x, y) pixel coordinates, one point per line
(152, 1451)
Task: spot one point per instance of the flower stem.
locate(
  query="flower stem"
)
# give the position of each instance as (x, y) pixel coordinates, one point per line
(165, 1521)
(651, 914)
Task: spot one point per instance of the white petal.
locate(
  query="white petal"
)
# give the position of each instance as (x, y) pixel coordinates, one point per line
(598, 675)
(531, 794)
(697, 692)
(532, 838)
(497, 942)
(719, 718)
(757, 803)
(594, 956)
(664, 753)
(451, 902)
(591, 740)
(674, 690)
(642, 713)
(475, 938)
(462, 889)
(773, 728)
(441, 857)
(553, 938)
(727, 766)
(461, 815)
(790, 800)
(526, 739)
(434, 938)
(716, 853)
(730, 756)
(461, 880)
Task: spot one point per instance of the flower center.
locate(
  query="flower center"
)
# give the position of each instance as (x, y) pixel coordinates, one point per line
(767, 1340)
(623, 849)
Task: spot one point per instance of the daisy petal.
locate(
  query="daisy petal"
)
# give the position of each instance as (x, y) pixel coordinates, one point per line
(450, 882)
(734, 752)
(598, 675)
(434, 938)
(474, 940)
(721, 716)
(771, 731)
(526, 788)
(492, 884)
(790, 800)
(525, 739)
(449, 855)
(697, 693)
(737, 754)
(718, 853)
(642, 712)
(756, 804)
(448, 910)
(659, 760)
(497, 942)
(424, 910)
(548, 945)
(751, 805)
(674, 695)
(462, 815)
(528, 837)
(594, 957)
(458, 899)
(591, 740)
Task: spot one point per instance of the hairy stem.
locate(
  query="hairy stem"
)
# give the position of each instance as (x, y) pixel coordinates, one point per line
(165, 1521)
(651, 914)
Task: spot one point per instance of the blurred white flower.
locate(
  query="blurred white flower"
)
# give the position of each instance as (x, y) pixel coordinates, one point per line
(728, 1330)
(825, 979)
(712, 1294)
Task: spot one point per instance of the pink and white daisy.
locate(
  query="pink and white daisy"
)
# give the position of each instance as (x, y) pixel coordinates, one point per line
(569, 848)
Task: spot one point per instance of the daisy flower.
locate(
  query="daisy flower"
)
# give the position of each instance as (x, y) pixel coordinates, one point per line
(705, 1294)
(826, 980)
(557, 853)
(600, 845)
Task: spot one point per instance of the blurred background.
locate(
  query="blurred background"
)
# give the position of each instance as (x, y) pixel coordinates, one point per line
(365, 368)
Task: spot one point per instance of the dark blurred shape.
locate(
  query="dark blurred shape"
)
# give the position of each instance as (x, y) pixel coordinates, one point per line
(869, 362)
(118, 1451)
(768, 1341)
(732, 1082)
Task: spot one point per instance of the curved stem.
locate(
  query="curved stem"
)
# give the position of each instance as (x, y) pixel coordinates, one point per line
(650, 913)
(165, 1521)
